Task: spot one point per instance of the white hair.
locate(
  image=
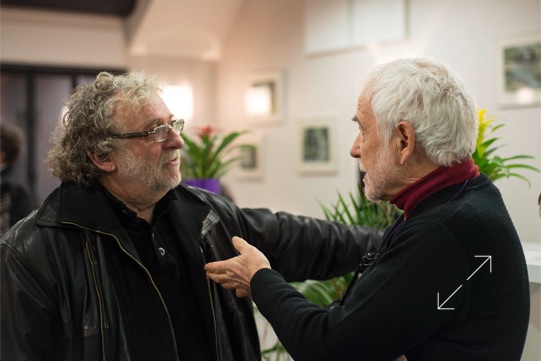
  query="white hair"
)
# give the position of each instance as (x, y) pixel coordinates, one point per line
(433, 99)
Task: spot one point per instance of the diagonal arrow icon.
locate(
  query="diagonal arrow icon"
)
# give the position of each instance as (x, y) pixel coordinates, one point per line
(489, 259)
(440, 306)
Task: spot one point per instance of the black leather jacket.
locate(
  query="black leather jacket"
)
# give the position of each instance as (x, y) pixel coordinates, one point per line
(60, 299)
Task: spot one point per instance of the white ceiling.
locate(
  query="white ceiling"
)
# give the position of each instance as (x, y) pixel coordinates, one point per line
(182, 28)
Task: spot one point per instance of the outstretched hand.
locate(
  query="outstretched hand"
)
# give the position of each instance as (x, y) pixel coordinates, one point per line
(237, 272)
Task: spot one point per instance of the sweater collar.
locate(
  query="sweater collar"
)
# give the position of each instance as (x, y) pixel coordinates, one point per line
(442, 177)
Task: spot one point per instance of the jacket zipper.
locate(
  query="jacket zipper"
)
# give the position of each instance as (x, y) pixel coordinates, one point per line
(213, 314)
(207, 224)
(149, 276)
(98, 294)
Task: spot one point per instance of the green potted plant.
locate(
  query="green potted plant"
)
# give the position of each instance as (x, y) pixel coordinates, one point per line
(494, 166)
(207, 157)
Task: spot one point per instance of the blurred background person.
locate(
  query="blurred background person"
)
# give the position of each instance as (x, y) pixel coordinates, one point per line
(15, 201)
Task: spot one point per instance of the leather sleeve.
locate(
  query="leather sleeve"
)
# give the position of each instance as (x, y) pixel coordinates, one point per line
(29, 319)
(300, 247)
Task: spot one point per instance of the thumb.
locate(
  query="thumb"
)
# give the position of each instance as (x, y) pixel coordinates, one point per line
(240, 244)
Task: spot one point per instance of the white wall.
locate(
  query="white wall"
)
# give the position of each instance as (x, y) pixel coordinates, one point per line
(199, 75)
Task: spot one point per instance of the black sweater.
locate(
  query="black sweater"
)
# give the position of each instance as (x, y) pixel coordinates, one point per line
(433, 294)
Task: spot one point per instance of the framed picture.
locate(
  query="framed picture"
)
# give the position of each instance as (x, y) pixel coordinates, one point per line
(519, 71)
(316, 147)
(264, 97)
(251, 158)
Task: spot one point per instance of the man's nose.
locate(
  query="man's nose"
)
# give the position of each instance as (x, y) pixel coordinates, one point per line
(355, 150)
(174, 140)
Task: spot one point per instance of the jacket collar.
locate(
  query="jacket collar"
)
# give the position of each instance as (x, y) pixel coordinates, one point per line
(70, 204)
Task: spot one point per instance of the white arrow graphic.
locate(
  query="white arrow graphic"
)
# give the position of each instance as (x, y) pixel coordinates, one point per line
(489, 258)
(440, 305)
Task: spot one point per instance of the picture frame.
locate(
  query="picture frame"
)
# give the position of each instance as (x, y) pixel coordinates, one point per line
(317, 147)
(519, 71)
(250, 151)
(264, 97)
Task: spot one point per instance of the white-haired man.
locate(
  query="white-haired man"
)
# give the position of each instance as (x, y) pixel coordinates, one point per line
(450, 280)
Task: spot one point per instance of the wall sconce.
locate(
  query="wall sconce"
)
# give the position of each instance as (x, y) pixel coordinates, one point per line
(263, 100)
(179, 100)
(259, 99)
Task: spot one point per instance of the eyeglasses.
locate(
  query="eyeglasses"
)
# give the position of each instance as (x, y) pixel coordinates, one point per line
(159, 133)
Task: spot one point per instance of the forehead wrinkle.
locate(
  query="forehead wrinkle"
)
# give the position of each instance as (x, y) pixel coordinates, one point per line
(154, 122)
(363, 105)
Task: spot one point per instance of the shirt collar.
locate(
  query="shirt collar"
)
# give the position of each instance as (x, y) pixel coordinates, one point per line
(128, 216)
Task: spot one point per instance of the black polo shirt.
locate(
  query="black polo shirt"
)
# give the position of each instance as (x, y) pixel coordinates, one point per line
(161, 254)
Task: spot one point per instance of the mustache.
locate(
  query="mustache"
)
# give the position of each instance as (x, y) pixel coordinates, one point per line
(168, 157)
(361, 167)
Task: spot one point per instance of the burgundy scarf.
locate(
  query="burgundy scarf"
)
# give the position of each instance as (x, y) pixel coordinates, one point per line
(438, 179)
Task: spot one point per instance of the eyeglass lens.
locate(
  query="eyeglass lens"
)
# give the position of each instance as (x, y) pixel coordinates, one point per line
(161, 133)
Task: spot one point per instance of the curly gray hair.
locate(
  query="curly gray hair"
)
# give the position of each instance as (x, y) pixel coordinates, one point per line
(87, 124)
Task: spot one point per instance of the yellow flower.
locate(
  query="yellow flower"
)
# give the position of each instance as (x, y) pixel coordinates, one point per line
(494, 166)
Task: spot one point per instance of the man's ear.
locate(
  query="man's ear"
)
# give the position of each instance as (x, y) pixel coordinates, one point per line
(406, 138)
(106, 165)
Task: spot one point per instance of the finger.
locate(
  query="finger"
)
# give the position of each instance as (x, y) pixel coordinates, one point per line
(218, 266)
(217, 277)
(241, 293)
(230, 285)
(221, 266)
(240, 244)
(224, 281)
(223, 274)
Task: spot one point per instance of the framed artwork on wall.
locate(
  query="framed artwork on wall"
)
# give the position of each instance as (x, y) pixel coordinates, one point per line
(316, 147)
(251, 158)
(264, 97)
(519, 71)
